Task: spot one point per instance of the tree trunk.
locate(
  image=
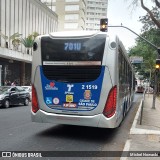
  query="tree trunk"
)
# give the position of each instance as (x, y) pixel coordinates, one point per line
(157, 22)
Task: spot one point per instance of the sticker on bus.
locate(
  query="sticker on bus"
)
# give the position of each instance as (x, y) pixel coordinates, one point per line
(72, 96)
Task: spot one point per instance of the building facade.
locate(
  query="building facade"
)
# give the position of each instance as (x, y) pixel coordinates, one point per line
(78, 14)
(71, 13)
(22, 18)
(96, 9)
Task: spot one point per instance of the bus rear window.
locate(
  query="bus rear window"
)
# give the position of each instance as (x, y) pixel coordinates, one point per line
(80, 49)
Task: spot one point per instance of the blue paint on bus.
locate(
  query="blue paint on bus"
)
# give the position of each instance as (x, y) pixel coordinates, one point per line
(72, 96)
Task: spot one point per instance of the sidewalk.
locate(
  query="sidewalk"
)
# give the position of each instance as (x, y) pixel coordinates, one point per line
(145, 137)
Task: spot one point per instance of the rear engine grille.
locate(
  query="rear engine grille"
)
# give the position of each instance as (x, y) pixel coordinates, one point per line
(74, 74)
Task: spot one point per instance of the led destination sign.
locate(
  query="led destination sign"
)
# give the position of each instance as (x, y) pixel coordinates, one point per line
(72, 46)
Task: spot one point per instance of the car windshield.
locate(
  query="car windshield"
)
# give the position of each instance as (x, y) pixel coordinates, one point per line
(20, 88)
(27, 88)
(4, 89)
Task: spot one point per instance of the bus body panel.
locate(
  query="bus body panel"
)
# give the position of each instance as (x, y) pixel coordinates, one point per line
(68, 112)
(106, 85)
(94, 121)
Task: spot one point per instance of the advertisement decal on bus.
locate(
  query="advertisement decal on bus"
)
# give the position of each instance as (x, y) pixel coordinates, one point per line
(68, 96)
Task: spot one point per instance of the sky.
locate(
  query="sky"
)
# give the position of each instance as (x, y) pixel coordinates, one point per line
(119, 13)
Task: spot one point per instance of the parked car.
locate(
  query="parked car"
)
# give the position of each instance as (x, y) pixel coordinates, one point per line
(29, 89)
(11, 95)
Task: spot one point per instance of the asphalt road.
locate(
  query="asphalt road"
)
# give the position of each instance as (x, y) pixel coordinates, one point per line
(18, 133)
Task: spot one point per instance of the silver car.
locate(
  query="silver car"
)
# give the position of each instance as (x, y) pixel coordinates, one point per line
(29, 89)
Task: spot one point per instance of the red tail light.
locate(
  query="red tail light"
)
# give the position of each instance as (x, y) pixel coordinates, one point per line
(110, 106)
(35, 107)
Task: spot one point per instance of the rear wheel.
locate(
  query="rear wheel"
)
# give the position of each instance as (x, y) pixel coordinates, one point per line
(6, 103)
(26, 102)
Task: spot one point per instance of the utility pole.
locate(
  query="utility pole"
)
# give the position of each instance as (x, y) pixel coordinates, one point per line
(155, 90)
(158, 56)
(156, 78)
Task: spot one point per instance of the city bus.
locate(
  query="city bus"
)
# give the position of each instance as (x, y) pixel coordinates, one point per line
(81, 78)
(139, 86)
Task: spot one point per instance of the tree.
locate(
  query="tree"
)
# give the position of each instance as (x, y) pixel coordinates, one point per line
(147, 21)
(150, 12)
(146, 51)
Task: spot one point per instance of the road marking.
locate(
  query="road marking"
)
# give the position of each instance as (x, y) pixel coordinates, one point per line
(126, 148)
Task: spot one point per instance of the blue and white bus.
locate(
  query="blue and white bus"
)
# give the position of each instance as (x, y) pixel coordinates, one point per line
(81, 78)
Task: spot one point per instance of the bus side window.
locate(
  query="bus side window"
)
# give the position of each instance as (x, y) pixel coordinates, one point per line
(120, 66)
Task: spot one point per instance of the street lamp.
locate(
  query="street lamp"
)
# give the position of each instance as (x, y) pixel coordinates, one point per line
(157, 64)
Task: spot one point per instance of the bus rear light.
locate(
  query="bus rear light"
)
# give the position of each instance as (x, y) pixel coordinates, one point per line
(110, 106)
(35, 107)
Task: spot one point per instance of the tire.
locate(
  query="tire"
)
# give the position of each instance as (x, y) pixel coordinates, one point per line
(26, 102)
(6, 103)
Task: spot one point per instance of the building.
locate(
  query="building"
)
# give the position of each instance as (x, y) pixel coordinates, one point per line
(78, 14)
(96, 9)
(71, 13)
(22, 18)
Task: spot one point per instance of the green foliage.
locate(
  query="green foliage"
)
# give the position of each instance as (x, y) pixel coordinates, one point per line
(15, 39)
(28, 41)
(147, 21)
(3, 36)
(15, 36)
(12, 37)
(35, 34)
(148, 53)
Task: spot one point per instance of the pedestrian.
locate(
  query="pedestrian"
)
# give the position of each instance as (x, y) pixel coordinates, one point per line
(13, 83)
(6, 82)
(9, 83)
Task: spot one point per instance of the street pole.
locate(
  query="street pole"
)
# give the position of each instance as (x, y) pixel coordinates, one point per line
(151, 44)
(155, 90)
(158, 55)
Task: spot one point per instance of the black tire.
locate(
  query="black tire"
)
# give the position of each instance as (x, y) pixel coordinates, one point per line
(26, 102)
(6, 103)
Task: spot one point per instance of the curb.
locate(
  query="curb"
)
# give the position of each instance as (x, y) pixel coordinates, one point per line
(137, 131)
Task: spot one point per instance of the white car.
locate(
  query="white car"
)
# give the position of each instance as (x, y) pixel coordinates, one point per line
(29, 89)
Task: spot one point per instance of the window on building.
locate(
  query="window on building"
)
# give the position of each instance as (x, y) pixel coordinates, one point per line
(71, 7)
(70, 25)
(49, 1)
(72, 0)
(71, 17)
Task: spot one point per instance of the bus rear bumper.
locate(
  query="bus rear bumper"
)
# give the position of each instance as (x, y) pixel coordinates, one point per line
(98, 120)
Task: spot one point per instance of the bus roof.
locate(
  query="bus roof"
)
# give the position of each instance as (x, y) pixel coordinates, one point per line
(72, 34)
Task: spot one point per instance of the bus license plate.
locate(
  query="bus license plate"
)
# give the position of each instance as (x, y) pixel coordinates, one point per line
(69, 105)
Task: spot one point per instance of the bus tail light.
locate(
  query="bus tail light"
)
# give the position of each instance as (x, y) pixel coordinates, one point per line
(110, 106)
(35, 107)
